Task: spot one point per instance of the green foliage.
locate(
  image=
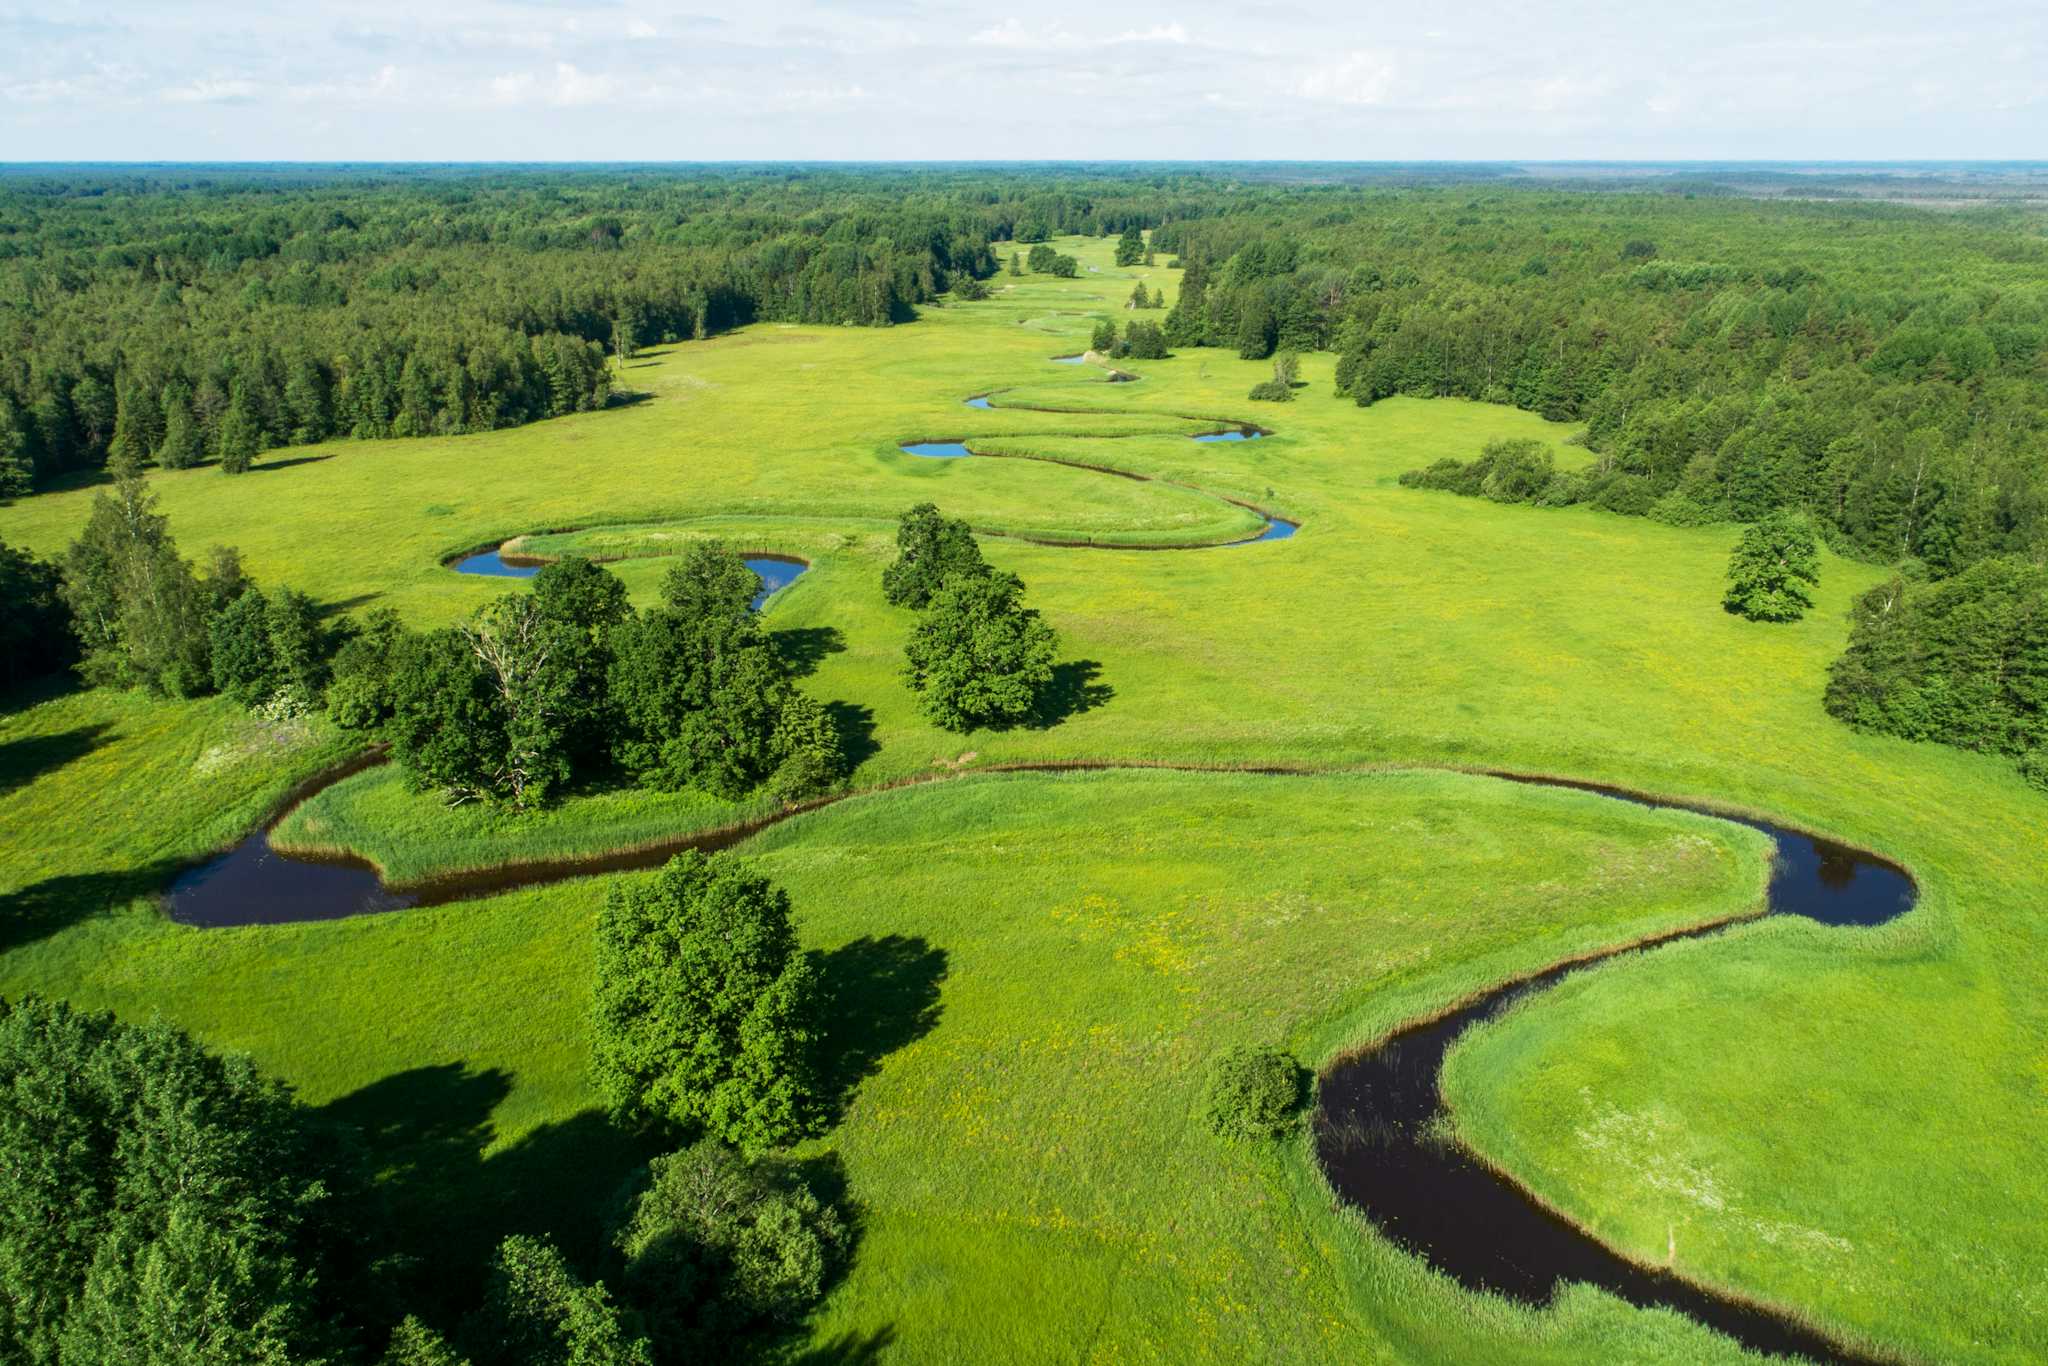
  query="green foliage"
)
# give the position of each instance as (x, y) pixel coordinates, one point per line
(1519, 471)
(446, 728)
(414, 1344)
(1254, 1092)
(1271, 391)
(930, 548)
(714, 1245)
(260, 644)
(978, 656)
(35, 626)
(153, 1197)
(1130, 248)
(711, 583)
(705, 1009)
(538, 1312)
(585, 603)
(1103, 342)
(360, 697)
(701, 697)
(1963, 662)
(1769, 572)
(1144, 341)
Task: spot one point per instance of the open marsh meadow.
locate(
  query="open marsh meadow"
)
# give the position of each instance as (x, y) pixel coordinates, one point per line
(1029, 971)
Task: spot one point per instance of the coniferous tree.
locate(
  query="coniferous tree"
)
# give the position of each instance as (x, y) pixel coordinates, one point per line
(1130, 248)
(181, 447)
(239, 436)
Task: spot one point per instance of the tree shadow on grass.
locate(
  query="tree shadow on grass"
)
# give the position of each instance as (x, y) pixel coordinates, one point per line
(43, 908)
(444, 1206)
(23, 761)
(855, 725)
(1073, 690)
(804, 648)
(880, 995)
(285, 464)
(850, 1348)
(340, 605)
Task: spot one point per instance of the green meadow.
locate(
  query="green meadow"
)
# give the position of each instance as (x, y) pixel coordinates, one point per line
(1031, 970)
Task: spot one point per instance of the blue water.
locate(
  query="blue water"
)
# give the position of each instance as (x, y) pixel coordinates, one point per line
(937, 450)
(774, 571)
(1276, 530)
(1069, 360)
(490, 562)
(980, 402)
(1241, 434)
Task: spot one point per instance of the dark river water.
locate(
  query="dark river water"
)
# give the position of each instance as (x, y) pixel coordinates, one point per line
(1378, 1114)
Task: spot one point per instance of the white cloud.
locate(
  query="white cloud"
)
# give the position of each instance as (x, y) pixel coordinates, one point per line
(1294, 78)
(1158, 33)
(214, 92)
(1358, 78)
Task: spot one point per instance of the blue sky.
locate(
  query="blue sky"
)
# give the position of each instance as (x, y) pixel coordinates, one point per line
(897, 79)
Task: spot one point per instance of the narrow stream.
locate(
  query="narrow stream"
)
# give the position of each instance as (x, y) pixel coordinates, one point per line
(774, 571)
(1378, 1115)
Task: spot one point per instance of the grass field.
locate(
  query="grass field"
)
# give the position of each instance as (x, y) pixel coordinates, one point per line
(1862, 1100)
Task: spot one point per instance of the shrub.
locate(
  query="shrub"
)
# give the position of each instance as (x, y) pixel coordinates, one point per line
(538, 1312)
(979, 657)
(1271, 391)
(1145, 341)
(1254, 1092)
(704, 1011)
(713, 1245)
(1773, 563)
(1631, 495)
(1517, 471)
(153, 1195)
(930, 549)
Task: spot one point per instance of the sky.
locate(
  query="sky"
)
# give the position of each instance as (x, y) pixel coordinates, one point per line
(1341, 80)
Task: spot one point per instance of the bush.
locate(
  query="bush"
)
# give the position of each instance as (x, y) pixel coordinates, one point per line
(153, 1195)
(1631, 495)
(705, 1010)
(1565, 488)
(538, 1312)
(1271, 391)
(1144, 341)
(1517, 471)
(929, 550)
(1961, 661)
(714, 1245)
(1254, 1092)
(1773, 563)
(979, 657)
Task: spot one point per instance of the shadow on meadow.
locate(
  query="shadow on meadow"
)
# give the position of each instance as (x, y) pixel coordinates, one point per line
(43, 908)
(880, 995)
(855, 726)
(1073, 690)
(804, 648)
(23, 761)
(848, 1349)
(446, 1205)
(288, 462)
